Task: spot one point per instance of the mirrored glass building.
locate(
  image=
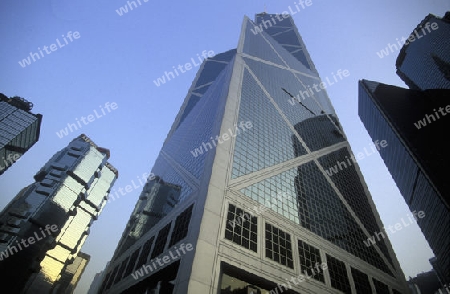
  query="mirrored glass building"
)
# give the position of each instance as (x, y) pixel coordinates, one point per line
(44, 227)
(242, 184)
(413, 122)
(72, 274)
(19, 129)
(424, 61)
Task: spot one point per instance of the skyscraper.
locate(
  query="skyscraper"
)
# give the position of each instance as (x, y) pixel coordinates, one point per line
(417, 158)
(72, 274)
(413, 121)
(424, 61)
(97, 281)
(19, 129)
(250, 206)
(44, 227)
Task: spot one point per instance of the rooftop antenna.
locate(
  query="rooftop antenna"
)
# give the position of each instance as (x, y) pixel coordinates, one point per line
(265, 10)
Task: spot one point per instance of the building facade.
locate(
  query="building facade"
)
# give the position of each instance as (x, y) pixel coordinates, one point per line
(71, 274)
(424, 61)
(19, 129)
(426, 282)
(417, 159)
(44, 227)
(255, 210)
(97, 281)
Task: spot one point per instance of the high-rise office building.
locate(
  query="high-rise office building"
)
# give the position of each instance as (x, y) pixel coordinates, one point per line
(424, 60)
(157, 199)
(439, 272)
(97, 281)
(413, 122)
(71, 274)
(425, 282)
(250, 205)
(44, 227)
(19, 129)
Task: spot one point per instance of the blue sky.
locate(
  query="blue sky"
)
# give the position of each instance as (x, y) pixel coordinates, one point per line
(116, 58)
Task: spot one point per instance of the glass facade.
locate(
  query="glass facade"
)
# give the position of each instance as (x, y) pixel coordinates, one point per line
(284, 32)
(379, 128)
(362, 284)
(182, 153)
(309, 258)
(284, 133)
(310, 200)
(242, 228)
(380, 287)
(415, 157)
(185, 151)
(208, 73)
(181, 226)
(278, 246)
(157, 199)
(270, 140)
(424, 63)
(427, 200)
(338, 275)
(294, 122)
(144, 254)
(19, 129)
(56, 211)
(72, 274)
(301, 215)
(161, 240)
(352, 191)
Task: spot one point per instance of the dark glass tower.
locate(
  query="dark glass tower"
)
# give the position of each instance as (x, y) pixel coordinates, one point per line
(249, 205)
(413, 122)
(19, 129)
(44, 227)
(424, 61)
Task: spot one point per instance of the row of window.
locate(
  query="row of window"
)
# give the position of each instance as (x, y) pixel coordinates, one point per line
(242, 228)
(303, 195)
(140, 256)
(339, 279)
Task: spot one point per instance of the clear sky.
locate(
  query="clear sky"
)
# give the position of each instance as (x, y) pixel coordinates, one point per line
(116, 58)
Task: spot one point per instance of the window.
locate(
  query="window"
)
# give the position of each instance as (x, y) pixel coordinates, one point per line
(278, 246)
(362, 283)
(133, 259)
(121, 269)
(112, 277)
(105, 281)
(236, 280)
(145, 252)
(380, 287)
(180, 229)
(309, 258)
(238, 285)
(241, 228)
(161, 241)
(338, 274)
